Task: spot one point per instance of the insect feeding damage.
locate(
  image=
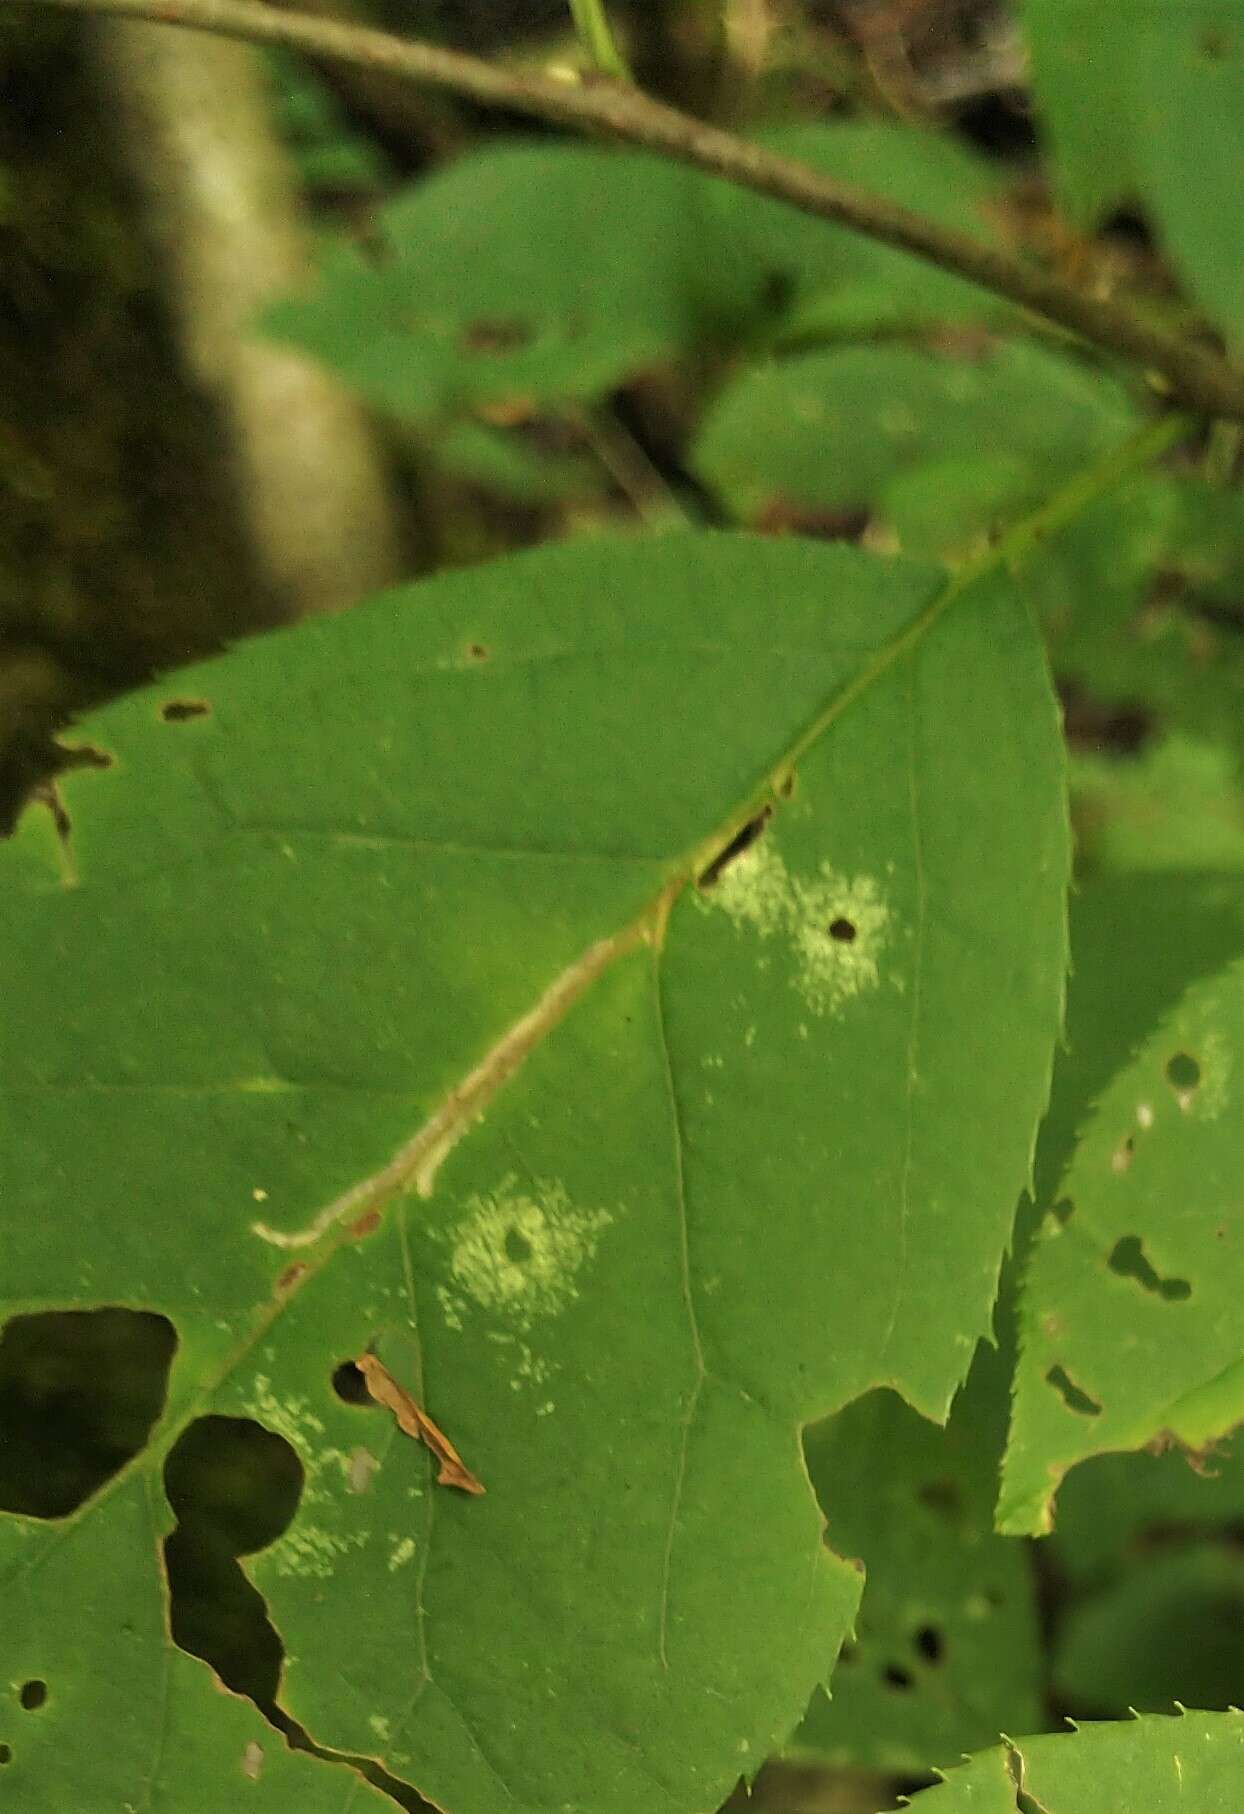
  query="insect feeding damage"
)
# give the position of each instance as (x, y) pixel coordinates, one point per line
(415, 1422)
(836, 926)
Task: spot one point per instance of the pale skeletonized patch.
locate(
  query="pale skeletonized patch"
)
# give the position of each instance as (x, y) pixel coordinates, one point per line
(837, 926)
(519, 1253)
(310, 1546)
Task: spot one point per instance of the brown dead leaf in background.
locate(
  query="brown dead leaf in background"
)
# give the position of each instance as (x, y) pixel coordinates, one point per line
(386, 1391)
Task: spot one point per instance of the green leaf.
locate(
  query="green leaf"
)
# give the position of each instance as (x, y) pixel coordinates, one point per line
(1129, 1322)
(945, 1651)
(1109, 1509)
(508, 278)
(530, 274)
(859, 428)
(103, 1711)
(395, 1017)
(1148, 102)
(1188, 71)
(1168, 1629)
(831, 281)
(1178, 805)
(1165, 1766)
(1137, 943)
(1079, 51)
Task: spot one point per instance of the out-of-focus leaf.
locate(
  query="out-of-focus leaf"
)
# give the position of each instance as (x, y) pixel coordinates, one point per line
(1165, 1766)
(945, 1653)
(1178, 805)
(523, 273)
(1080, 77)
(939, 447)
(1147, 101)
(1109, 1508)
(1167, 1630)
(529, 274)
(829, 281)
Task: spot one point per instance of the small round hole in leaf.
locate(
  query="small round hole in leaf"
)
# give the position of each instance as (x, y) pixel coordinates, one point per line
(6, 1754)
(349, 1385)
(842, 929)
(896, 1677)
(32, 1694)
(1182, 1071)
(517, 1247)
(930, 1643)
(177, 711)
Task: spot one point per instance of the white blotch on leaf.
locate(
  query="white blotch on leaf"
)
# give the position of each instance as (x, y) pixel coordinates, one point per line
(401, 1553)
(1211, 1094)
(520, 1254)
(833, 966)
(379, 1725)
(310, 1546)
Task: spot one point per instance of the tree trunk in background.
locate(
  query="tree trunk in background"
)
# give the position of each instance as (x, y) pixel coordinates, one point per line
(220, 212)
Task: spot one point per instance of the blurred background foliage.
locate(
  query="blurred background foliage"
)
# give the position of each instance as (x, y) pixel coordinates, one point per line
(530, 338)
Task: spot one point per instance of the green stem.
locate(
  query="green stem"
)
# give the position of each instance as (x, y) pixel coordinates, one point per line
(591, 21)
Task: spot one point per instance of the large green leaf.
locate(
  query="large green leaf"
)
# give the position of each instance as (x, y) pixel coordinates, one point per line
(860, 428)
(1130, 1329)
(1165, 1766)
(378, 1004)
(945, 1653)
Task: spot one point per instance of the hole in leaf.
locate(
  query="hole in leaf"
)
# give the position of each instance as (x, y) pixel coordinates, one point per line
(929, 1643)
(517, 1247)
(496, 336)
(942, 1497)
(350, 1386)
(32, 1694)
(842, 929)
(82, 755)
(1129, 1261)
(1183, 1073)
(896, 1677)
(177, 711)
(1063, 1211)
(742, 840)
(1216, 44)
(477, 651)
(6, 1754)
(235, 1487)
(1072, 1395)
(79, 1392)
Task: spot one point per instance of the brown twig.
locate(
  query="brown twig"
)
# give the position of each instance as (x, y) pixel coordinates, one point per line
(1196, 377)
